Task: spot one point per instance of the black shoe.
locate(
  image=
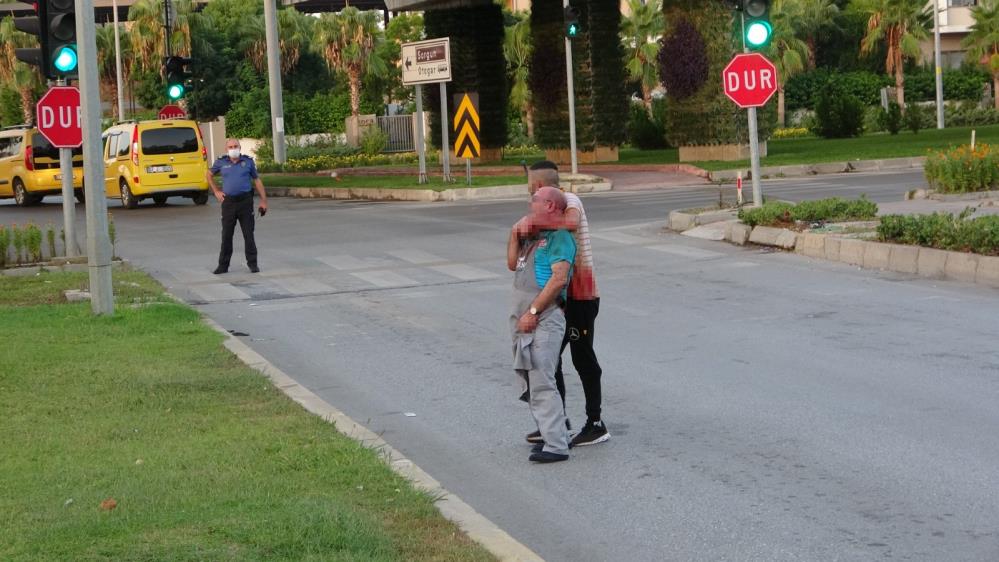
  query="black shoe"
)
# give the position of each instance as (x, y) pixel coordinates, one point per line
(538, 447)
(546, 457)
(254, 269)
(535, 436)
(593, 432)
(220, 270)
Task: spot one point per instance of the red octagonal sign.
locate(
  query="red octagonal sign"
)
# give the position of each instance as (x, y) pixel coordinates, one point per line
(58, 117)
(750, 80)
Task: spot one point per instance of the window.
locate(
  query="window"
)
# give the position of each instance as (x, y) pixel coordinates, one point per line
(123, 144)
(169, 140)
(962, 3)
(5, 148)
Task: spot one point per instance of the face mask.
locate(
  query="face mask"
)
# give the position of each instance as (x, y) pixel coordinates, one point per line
(233, 153)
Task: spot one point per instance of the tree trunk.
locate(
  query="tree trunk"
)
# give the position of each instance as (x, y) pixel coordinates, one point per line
(27, 107)
(355, 92)
(647, 99)
(811, 53)
(529, 120)
(780, 107)
(995, 90)
(900, 87)
(114, 101)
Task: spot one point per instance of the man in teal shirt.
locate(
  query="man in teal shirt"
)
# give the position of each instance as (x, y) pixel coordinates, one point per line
(542, 268)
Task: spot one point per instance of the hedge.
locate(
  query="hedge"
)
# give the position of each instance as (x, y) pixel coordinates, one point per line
(831, 210)
(943, 231)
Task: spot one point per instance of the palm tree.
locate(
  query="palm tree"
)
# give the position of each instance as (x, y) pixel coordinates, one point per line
(147, 35)
(294, 31)
(807, 18)
(983, 41)
(640, 33)
(786, 51)
(517, 51)
(15, 73)
(901, 24)
(348, 41)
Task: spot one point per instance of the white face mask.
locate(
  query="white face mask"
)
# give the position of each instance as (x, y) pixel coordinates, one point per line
(233, 153)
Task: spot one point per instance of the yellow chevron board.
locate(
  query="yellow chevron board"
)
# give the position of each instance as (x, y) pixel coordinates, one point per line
(466, 125)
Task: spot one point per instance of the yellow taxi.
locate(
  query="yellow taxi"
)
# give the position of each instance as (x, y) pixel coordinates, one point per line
(155, 160)
(29, 167)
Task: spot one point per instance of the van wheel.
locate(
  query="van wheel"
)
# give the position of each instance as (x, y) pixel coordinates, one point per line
(200, 199)
(160, 200)
(127, 199)
(21, 195)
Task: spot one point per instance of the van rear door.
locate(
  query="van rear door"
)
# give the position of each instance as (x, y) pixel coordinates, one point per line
(170, 156)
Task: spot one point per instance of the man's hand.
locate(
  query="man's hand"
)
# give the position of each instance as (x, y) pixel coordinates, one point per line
(219, 195)
(524, 228)
(263, 205)
(528, 323)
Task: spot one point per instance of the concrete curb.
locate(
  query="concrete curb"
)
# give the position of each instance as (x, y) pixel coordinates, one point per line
(799, 170)
(869, 254)
(59, 265)
(474, 524)
(588, 185)
(951, 197)
(685, 220)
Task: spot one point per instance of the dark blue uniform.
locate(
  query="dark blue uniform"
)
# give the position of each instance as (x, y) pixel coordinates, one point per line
(237, 206)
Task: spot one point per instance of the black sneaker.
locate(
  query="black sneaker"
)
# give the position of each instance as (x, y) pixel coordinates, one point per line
(546, 457)
(593, 432)
(535, 436)
(254, 269)
(220, 270)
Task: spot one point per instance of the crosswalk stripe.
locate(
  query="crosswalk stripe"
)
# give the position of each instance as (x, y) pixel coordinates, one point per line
(685, 251)
(418, 257)
(343, 262)
(619, 237)
(383, 278)
(302, 285)
(464, 272)
(219, 292)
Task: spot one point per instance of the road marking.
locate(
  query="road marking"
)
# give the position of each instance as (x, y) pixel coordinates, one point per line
(685, 251)
(185, 275)
(620, 238)
(464, 272)
(219, 292)
(418, 257)
(383, 278)
(302, 285)
(343, 262)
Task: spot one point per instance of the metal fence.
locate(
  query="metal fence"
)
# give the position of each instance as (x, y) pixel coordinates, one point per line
(399, 129)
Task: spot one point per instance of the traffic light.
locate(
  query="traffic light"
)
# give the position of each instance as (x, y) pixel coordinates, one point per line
(572, 27)
(758, 28)
(55, 26)
(176, 76)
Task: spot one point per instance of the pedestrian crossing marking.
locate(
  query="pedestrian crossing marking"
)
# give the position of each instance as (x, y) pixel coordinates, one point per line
(686, 252)
(216, 292)
(620, 238)
(383, 278)
(302, 285)
(466, 127)
(416, 257)
(464, 272)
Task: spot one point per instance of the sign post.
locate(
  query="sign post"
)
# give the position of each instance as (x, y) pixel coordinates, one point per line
(750, 80)
(466, 130)
(58, 119)
(429, 62)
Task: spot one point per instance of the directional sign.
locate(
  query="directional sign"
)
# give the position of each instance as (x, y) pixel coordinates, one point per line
(426, 62)
(58, 117)
(466, 125)
(171, 111)
(750, 80)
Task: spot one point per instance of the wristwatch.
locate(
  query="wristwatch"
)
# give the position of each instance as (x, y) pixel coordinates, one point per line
(533, 310)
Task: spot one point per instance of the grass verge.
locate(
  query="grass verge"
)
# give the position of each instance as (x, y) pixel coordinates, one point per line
(203, 457)
(389, 182)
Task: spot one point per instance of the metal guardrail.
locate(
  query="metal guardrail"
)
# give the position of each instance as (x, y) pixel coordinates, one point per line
(399, 129)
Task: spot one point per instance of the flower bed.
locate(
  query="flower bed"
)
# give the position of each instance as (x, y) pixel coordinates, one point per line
(943, 231)
(963, 169)
(834, 209)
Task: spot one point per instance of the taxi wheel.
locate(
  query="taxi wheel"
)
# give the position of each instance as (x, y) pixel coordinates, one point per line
(160, 200)
(128, 200)
(21, 195)
(200, 199)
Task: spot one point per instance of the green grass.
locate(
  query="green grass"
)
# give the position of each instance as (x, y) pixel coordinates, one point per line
(204, 457)
(391, 182)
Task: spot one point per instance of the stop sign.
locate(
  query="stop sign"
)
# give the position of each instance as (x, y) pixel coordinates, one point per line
(750, 80)
(58, 117)
(171, 111)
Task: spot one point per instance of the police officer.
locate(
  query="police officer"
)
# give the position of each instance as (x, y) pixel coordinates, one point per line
(239, 177)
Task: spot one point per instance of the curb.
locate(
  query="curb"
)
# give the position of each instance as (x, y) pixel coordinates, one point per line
(429, 195)
(60, 265)
(914, 162)
(474, 524)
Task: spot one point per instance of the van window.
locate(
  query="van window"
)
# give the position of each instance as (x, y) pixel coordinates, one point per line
(169, 140)
(123, 144)
(5, 150)
(42, 148)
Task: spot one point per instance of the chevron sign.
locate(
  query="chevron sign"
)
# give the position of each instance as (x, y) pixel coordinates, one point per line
(466, 125)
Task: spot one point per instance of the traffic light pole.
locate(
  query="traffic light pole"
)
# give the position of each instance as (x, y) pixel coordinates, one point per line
(274, 80)
(754, 137)
(98, 240)
(68, 199)
(571, 88)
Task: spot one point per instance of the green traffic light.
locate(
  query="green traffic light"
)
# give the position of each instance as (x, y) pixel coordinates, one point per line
(573, 30)
(758, 33)
(66, 60)
(175, 91)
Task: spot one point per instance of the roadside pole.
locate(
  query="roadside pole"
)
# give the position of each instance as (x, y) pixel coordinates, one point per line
(571, 88)
(445, 151)
(98, 240)
(68, 197)
(274, 80)
(936, 64)
(117, 63)
(421, 145)
(754, 141)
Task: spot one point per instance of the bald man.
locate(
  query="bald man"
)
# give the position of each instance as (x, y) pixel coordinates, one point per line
(239, 177)
(542, 269)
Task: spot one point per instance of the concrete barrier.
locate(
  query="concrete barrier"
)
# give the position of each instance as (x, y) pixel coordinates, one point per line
(765, 235)
(988, 271)
(931, 262)
(961, 266)
(876, 255)
(851, 251)
(812, 245)
(904, 259)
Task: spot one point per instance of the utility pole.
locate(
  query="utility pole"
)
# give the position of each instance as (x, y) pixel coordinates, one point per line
(570, 87)
(754, 136)
(68, 197)
(936, 63)
(98, 241)
(117, 62)
(274, 80)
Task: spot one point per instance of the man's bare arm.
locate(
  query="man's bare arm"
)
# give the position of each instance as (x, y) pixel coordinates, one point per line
(512, 250)
(554, 286)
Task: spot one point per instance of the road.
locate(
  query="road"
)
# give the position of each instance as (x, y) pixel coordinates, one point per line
(762, 405)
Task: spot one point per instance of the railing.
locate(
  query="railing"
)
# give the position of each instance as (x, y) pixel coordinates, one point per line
(399, 129)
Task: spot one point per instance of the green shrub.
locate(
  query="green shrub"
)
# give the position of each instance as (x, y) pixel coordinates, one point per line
(833, 209)
(943, 231)
(963, 170)
(769, 213)
(891, 119)
(970, 114)
(643, 132)
(374, 141)
(5, 235)
(838, 114)
(914, 116)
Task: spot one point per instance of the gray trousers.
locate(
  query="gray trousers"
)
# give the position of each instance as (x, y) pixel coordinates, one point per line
(546, 403)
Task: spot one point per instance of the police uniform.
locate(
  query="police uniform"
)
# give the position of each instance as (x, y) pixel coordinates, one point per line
(237, 206)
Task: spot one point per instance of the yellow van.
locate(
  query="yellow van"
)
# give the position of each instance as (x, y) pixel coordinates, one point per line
(29, 167)
(157, 160)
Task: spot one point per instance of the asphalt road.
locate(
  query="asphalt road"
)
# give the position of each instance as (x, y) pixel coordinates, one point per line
(762, 405)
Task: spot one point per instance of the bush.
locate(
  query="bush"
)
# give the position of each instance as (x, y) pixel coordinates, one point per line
(643, 132)
(331, 162)
(323, 147)
(804, 90)
(891, 119)
(790, 133)
(833, 209)
(943, 231)
(963, 170)
(838, 114)
(970, 114)
(374, 141)
(914, 115)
